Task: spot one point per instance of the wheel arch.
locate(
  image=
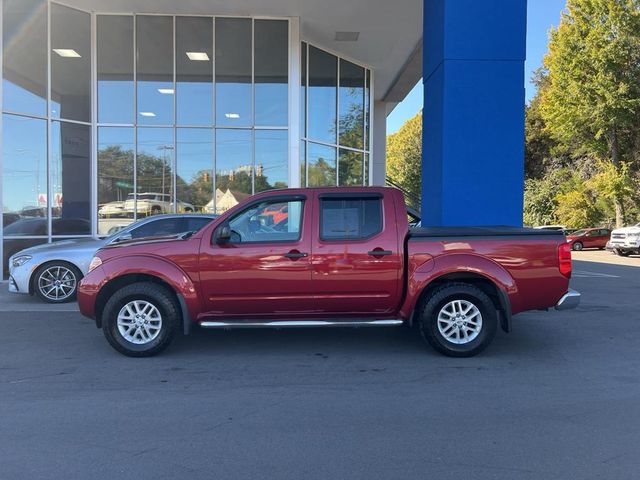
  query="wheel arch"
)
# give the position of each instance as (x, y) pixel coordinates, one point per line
(489, 286)
(121, 281)
(32, 278)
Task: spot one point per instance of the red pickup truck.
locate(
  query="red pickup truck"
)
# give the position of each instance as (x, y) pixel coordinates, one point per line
(338, 257)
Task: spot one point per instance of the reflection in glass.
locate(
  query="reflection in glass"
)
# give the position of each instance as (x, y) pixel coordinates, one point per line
(154, 174)
(24, 175)
(303, 163)
(24, 56)
(323, 83)
(350, 168)
(366, 169)
(351, 102)
(322, 165)
(115, 69)
(154, 41)
(367, 105)
(70, 63)
(271, 72)
(14, 245)
(194, 71)
(70, 178)
(303, 91)
(115, 177)
(234, 167)
(233, 72)
(194, 168)
(272, 159)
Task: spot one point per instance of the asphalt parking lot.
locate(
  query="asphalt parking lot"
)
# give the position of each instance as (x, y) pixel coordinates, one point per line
(559, 398)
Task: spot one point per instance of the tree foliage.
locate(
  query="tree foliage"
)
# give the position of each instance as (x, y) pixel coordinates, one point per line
(404, 157)
(591, 104)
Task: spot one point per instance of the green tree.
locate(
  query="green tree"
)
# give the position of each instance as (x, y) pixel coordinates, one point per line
(592, 101)
(404, 158)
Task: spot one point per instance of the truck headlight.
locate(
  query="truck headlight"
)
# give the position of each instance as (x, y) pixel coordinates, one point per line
(633, 235)
(21, 260)
(95, 263)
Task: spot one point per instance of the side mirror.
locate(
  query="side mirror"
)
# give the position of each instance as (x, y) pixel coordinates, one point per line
(123, 238)
(222, 234)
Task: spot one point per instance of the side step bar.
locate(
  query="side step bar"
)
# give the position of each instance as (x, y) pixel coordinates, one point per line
(302, 324)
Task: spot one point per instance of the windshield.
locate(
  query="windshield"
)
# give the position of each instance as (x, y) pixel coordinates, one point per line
(142, 196)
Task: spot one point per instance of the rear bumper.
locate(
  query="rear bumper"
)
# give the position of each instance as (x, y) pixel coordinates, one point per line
(569, 300)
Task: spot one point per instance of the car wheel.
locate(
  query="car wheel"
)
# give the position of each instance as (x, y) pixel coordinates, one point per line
(141, 319)
(623, 253)
(56, 282)
(156, 210)
(577, 246)
(458, 320)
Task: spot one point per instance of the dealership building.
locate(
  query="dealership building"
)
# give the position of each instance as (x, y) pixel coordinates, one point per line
(113, 110)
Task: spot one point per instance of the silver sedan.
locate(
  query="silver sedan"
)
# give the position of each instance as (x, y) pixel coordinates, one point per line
(53, 271)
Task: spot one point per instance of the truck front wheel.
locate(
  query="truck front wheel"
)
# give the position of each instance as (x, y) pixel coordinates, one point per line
(141, 319)
(458, 320)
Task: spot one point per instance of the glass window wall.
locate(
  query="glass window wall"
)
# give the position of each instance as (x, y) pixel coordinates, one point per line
(116, 152)
(154, 70)
(194, 70)
(272, 159)
(194, 169)
(334, 118)
(115, 69)
(271, 72)
(234, 92)
(24, 56)
(70, 63)
(70, 165)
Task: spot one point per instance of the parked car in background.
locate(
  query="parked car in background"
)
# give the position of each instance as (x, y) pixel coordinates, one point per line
(153, 204)
(589, 238)
(341, 257)
(9, 218)
(52, 271)
(625, 241)
(111, 209)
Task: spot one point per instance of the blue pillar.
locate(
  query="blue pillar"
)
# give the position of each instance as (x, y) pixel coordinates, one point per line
(473, 142)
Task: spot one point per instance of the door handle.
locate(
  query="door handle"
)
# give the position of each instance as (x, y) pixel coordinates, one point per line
(295, 254)
(378, 252)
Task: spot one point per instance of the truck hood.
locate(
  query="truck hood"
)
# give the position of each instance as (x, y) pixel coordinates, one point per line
(147, 240)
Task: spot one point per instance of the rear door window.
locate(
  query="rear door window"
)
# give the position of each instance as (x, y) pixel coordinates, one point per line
(350, 218)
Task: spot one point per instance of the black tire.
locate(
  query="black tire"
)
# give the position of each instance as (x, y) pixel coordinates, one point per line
(157, 295)
(156, 210)
(623, 254)
(577, 246)
(431, 307)
(42, 277)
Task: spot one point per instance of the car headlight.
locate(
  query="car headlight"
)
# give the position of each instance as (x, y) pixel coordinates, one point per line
(21, 260)
(634, 235)
(95, 263)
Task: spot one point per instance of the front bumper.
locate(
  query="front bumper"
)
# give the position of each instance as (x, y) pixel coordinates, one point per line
(19, 278)
(569, 300)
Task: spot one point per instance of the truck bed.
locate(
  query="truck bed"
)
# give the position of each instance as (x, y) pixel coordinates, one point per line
(485, 232)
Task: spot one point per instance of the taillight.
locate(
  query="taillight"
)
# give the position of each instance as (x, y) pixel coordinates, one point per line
(564, 259)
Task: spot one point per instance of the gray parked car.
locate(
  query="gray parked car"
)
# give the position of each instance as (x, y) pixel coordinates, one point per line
(53, 271)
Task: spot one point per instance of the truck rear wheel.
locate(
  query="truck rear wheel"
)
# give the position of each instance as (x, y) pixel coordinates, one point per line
(141, 319)
(458, 320)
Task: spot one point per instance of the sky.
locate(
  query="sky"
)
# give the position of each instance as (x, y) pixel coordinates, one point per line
(541, 16)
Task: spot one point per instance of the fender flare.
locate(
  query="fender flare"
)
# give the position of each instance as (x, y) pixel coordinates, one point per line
(162, 269)
(463, 263)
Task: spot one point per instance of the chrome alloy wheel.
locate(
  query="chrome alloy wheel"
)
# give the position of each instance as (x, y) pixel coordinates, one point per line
(57, 283)
(139, 322)
(459, 322)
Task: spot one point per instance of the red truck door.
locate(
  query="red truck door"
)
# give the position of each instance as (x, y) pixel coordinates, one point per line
(356, 261)
(265, 270)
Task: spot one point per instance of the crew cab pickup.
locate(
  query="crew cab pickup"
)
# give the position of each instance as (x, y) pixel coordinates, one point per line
(338, 257)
